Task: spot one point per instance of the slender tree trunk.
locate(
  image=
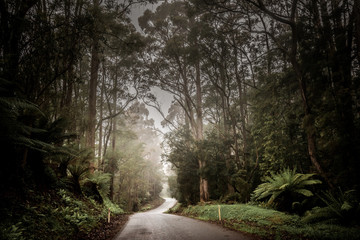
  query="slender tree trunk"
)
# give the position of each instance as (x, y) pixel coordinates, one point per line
(309, 123)
(101, 116)
(94, 71)
(114, 134)
(242, 105)
(114, 122)
(199, 116)
(188, 106)
(107, 137)
(226, 115)
(204, 186)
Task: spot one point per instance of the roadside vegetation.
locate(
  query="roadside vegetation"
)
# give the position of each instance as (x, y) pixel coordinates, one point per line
(287, 205)
(265, 223)
(62, 215)
(54, 215)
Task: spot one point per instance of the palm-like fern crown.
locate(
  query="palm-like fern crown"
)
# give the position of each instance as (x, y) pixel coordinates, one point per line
(102, 181)
(285, 181)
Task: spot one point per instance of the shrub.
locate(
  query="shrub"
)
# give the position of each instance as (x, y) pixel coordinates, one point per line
(341, 207)
(13, 232)
(114, 208)
(232, 198)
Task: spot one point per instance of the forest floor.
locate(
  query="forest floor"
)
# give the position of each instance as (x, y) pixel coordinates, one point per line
(107, 231)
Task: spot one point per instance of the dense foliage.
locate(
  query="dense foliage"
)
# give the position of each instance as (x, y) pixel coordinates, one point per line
(278, 84)
(257, 86)
(74, 139)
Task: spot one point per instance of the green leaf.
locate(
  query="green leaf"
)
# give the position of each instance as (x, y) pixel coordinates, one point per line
(304, 192)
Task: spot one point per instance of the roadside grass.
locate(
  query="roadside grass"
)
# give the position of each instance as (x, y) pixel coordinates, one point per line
(266, 223)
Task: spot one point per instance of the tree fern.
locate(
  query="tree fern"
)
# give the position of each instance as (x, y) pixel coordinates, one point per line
(283, 188)
(344, 206)
(102, 181)
(77, 172)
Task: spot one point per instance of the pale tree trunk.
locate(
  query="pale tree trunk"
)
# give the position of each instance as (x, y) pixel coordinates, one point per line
(107, 135)
(226, 115)
(199, 116)
(100, 162)
(242, 105)
(196, 124)
(204, 186)
(114, 128)
(188, 105)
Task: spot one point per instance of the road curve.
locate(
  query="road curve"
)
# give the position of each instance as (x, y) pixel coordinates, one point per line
(156, 225)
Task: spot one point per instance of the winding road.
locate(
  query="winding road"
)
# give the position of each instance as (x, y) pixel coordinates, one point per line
(156, 225)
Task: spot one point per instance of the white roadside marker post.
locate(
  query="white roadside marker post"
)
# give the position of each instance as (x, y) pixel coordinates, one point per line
(109, 215)
(219, 213)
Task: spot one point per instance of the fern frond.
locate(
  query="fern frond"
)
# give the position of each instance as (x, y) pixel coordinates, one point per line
(78, 171)
(15, 103)
(33, 144)
(305, 192)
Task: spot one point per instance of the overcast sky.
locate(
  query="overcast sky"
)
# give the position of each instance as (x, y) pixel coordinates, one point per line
(137, 10)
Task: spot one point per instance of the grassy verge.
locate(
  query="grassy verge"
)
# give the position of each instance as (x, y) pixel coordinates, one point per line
(267, 223)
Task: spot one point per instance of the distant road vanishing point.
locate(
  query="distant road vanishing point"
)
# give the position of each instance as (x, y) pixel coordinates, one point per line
(156, 225)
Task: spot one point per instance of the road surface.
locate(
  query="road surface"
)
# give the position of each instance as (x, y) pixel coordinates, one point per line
(156, 225)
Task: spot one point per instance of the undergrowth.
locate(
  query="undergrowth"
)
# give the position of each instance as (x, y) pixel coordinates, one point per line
(267, 223)
(53, 215)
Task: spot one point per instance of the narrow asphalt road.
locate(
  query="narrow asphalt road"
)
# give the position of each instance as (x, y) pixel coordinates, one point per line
(156, 225)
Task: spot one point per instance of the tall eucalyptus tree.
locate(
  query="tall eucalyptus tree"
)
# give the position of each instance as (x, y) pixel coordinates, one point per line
(173, 61)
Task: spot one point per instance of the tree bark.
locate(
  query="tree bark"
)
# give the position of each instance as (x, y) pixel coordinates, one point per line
(100, 149)
(94, 71)
(308, 118)
(113, 141)
(309, 124)
(204, 186)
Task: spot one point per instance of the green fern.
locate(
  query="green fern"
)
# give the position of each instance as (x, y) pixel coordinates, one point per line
(282, 188)
(343, 206)
(102, 181)
(77, 172)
